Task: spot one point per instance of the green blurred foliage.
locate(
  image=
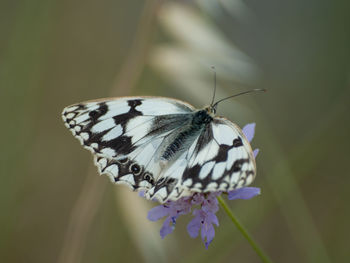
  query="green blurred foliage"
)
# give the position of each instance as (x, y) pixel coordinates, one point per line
(55, 53)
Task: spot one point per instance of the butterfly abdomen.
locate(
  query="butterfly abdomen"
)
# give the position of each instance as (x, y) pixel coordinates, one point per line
(200, 120)
(179, 142)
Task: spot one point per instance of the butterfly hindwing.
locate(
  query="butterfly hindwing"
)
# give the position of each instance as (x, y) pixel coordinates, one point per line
(219, 159)
(225, 163)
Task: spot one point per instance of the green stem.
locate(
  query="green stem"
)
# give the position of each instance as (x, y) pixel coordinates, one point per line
(264, 258)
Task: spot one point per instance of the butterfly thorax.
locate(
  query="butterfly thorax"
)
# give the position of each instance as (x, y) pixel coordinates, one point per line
(200, 119)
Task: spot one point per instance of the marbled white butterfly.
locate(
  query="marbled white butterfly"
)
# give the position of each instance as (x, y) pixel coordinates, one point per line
(163, 146)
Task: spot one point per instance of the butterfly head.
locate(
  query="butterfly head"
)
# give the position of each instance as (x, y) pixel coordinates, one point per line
(203, 116)
(211, 110)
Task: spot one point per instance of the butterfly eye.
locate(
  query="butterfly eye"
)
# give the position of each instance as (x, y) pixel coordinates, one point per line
(135, 169)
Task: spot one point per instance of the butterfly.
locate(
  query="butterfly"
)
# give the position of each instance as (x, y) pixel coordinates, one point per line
(163, 146)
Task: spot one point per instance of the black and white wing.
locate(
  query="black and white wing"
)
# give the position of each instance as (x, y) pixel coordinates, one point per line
(127, 135)
(225, 160)
(219, 159)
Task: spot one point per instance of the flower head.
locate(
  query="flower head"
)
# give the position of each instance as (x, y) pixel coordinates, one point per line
(172, 210)
(205, 218)
(204, 206)
(249, 131)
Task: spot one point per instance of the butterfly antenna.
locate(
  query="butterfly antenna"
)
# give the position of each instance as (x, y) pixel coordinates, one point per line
(212, 101)
(238, 94)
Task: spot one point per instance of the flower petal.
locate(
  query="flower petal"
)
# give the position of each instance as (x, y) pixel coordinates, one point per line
(255, 152)
(197, 199)
(249, 131)
(194, 225)
(243, 193)
(157, 212)
(208, 233)
(208, 243)
(142, 193)
(213, 219)
(167, 228)
(210, 204)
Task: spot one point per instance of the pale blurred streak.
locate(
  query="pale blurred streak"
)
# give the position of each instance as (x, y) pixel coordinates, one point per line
(198, 45)
(238, 9)
(82, 216)
(207, 43)
(135, 62)
(210, 7)
(145, 233)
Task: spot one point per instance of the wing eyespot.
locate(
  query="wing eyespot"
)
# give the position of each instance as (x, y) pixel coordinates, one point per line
(72, 123)
(149, 178)
(135, 169)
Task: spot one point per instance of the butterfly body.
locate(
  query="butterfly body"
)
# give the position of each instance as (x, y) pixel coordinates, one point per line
(163, 146)
(197, 121)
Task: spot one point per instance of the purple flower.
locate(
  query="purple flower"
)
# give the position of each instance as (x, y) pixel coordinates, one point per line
(243, 193)
(204, 205)
(249, 131)
(171, 209)
(204, 219)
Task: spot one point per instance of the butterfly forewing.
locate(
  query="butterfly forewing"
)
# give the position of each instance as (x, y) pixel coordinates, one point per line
(125, 134)
(158, 144)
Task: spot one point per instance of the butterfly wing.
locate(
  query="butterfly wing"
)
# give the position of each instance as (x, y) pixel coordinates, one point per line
(219, 159)
(225, 161)
(126, 135)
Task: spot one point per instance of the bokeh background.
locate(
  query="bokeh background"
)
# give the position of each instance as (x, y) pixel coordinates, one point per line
(54, 207)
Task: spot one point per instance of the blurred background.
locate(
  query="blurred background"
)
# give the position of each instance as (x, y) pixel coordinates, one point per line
(54, 206)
